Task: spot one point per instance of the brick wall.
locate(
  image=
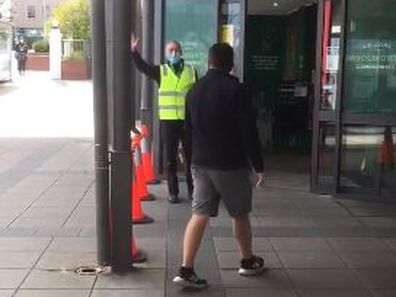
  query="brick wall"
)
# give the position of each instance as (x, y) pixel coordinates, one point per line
(38, 62)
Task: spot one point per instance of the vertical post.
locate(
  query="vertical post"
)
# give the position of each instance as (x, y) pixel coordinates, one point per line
(339, 102)
(159, 27)
(243, 17)
(55, 52)
(317, 95)
(121, 163)
(147, 91)
(101, 138)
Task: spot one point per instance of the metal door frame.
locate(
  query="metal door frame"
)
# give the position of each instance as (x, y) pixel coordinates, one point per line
(335, 116)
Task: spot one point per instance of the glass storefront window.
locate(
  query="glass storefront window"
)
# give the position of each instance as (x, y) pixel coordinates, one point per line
(368, 157)
(230, 29)
(194, 25)
(332, 21)
(370, 61)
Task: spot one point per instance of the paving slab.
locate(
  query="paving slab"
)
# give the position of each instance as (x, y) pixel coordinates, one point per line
(377, 278)
(324, 278)
(66, 260)
(333, 293)
(384, 293)
(373, 260)
(41, 279)
(21, 259)
(391, 242)
(6, 293)
(271, 278)
(138, 279)
(330, 222)
(310, 259)
(52, 293)
(300, 244)
(73, 245)
(229, 244)
(260, 292)
(289, 221)
(359, 244)
(12, 278)
(23, 244)
(128, 293)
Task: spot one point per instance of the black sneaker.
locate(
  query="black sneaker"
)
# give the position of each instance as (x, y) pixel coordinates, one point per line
(173, 199)
(252, 266)
(189, 280)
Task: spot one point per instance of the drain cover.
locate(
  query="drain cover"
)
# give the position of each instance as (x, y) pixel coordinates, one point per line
(89, 270)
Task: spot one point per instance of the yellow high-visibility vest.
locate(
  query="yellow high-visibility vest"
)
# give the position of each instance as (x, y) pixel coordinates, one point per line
(173, 91)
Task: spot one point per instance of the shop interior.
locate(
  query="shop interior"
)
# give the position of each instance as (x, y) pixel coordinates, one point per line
(279, 65)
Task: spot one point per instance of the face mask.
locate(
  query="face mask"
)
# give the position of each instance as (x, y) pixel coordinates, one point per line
(174, 59)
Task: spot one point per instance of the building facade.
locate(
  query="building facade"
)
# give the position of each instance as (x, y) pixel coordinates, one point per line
(30, 15)
(323, 73)
(6, 28)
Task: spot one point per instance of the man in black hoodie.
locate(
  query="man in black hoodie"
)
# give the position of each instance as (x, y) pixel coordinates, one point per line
(221, 131)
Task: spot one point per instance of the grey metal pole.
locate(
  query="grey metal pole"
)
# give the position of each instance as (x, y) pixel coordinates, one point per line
(101, 135)
(159, 25)
(147, 91)
(121, 162)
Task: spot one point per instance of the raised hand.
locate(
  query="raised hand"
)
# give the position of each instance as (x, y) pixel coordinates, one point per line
(134, 43)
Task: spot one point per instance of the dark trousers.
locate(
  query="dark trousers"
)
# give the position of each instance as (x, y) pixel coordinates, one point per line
(21, 65)
(172, 134)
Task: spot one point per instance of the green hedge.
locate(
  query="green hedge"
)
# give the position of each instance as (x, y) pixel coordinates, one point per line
(41, 46)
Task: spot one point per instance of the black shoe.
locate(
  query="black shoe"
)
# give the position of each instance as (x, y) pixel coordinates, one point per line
(173, 199)
(188, 279)
(252, 266)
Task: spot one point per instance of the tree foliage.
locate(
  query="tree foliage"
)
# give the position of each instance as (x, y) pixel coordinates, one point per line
(73, 17)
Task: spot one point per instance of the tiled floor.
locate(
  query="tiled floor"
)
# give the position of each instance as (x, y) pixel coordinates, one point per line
(314, 246)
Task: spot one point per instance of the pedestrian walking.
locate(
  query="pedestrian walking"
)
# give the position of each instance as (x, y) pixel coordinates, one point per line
(174, 79)
(21, 55)
(221, 130)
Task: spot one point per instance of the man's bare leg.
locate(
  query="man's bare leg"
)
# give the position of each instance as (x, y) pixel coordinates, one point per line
(192, 238)
(243, 235)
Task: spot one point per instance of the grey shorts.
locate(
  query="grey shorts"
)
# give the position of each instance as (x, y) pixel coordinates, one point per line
(233, 187)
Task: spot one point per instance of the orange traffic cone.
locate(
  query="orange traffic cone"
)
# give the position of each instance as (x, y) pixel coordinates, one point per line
(138, 255)
(147, 159)
(143, 193)
(138, 217)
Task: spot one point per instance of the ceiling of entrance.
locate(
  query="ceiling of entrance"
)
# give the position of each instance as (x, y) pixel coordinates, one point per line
(276, 7)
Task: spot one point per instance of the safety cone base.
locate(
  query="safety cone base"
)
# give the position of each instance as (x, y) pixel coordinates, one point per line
(145, 219)
(149, 197)
(139, 256)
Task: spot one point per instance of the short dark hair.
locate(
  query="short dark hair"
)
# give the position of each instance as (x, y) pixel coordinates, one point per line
(175, 42)
(221, 55)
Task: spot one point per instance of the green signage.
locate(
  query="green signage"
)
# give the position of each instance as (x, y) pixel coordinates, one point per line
(194, 24)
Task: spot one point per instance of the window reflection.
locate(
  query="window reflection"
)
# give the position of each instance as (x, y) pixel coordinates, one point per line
(368, 157)
(370, 63)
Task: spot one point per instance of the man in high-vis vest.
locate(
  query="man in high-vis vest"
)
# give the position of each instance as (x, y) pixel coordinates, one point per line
(174, 79)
